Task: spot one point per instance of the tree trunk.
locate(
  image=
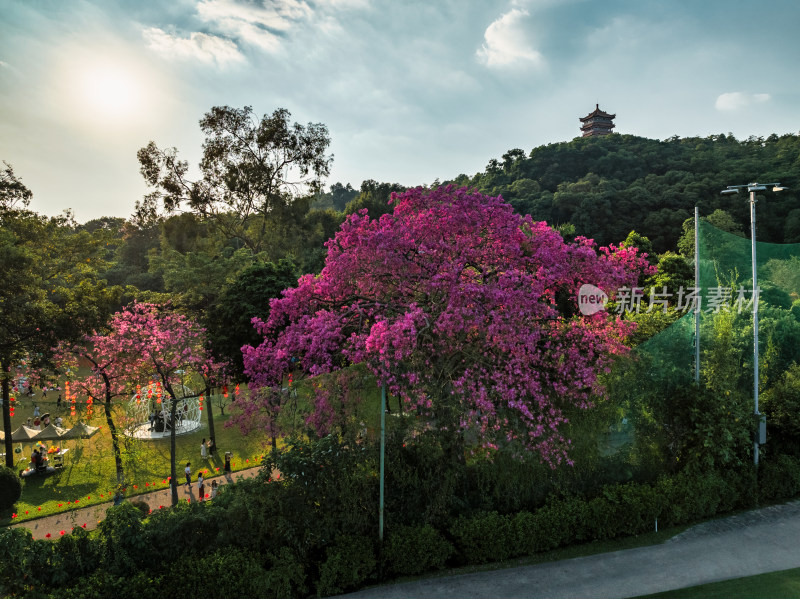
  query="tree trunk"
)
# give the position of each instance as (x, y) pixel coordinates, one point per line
(9, 449)
(173, 410)
(211, 434)
(114, 440)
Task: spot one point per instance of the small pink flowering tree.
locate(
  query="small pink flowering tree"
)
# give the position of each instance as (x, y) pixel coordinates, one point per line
(106, 380)
(464, 309)
(143, 342)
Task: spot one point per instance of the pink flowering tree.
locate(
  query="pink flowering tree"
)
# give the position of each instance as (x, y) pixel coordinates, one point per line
(464, 309)
(106, 380)
(145, 342)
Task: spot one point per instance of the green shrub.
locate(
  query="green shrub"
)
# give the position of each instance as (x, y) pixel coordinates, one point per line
(16, 549)
(142, 506)
(561, 522)
(124, 547)
(73, 556)
(422, 482)
(186, 528)
(780, 479)
(350, 562)
(484, 537)
(235, 573)
(10, 488)
(693, 497)
(410, 550)
(508, 483)
(102, 585)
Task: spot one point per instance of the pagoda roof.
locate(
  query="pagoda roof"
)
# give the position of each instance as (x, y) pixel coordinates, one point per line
(597, 112)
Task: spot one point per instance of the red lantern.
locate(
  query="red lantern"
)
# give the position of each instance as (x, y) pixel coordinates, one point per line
(225, 391)
(290, 379)
(236, 391)
(201, 403)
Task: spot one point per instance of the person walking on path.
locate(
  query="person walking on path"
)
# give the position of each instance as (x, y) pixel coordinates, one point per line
(227, 468)
(214, 486)
(201, 487)
(203, 450)
(188, 472)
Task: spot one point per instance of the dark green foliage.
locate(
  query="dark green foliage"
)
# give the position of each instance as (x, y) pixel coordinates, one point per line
(192, 523)
(410, 550)
(374, 197)
(781, 478)
(75, 555)
(229, 320)
(106, 585)
(10, 488)
(124, 547)
(422, 485)
(350, 561)
(781, 404)
(332, 487)
(337, 198)
(483, 537)
(16, 550)
(297, 537)
(235, 573)
(508, 484)
(607, 186)
(692, 497)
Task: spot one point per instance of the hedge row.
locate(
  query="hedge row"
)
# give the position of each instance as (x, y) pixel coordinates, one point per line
(620, 510)
(313, 533)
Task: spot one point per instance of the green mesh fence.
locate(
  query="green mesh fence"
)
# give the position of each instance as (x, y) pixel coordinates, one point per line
(647, 381)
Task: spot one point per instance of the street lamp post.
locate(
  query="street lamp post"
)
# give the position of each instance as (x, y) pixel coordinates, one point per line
(752, 188)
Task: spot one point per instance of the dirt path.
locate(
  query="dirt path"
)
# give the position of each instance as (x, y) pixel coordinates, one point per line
(52, 527)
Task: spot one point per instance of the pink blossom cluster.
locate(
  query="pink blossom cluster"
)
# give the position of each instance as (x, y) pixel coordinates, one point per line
(142, 342)
(461, 307)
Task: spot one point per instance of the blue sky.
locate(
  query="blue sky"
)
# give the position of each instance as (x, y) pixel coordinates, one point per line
(411, 91)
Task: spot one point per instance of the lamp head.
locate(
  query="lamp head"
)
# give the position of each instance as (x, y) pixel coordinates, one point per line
(779, 187)
(729, 191)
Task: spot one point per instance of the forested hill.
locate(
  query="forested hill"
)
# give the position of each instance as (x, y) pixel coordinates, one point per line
(608, 186)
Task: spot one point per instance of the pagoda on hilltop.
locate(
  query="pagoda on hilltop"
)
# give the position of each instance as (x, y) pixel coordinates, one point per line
(597, 122)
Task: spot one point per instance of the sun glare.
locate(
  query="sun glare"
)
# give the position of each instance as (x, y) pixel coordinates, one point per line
(109, 90)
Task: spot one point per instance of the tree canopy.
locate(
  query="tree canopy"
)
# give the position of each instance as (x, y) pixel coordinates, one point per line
(460, 307)
(253, 171)
(607, 186)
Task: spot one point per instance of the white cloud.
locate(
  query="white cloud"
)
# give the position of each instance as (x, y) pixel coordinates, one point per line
(344, 4)
(254, 23)
(506, 43)
(732, 101)
(201, 47)
(4, 65)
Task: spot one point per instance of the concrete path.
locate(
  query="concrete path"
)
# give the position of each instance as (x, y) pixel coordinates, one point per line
(755, 542)
(51, 527)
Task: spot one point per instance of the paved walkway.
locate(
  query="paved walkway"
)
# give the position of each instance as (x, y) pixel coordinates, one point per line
(755, 542)
(90, 517)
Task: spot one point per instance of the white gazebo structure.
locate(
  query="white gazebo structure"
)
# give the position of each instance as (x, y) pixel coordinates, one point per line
(149, 412)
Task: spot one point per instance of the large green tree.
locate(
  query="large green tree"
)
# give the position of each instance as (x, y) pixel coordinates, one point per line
(253, 171)
(50, 288)
(229, 321)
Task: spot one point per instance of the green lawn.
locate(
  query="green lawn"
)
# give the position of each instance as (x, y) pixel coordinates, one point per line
(89, 477)
(774, 585)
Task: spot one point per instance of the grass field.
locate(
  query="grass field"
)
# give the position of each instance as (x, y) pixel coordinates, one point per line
(774, 585)
(89, 476)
